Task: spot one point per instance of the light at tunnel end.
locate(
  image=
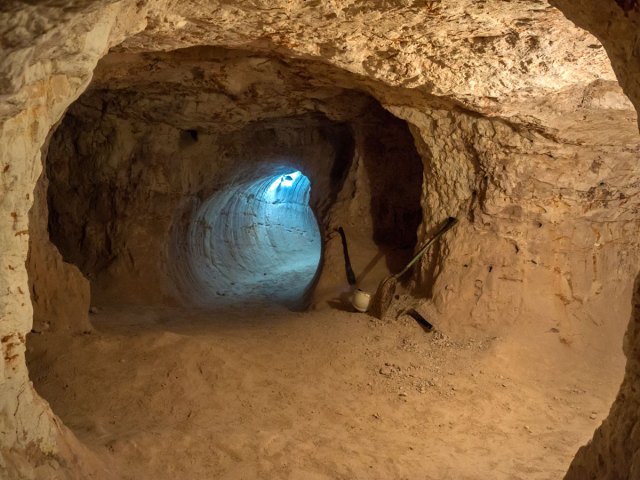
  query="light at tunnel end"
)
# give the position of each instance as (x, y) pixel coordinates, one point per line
(288, 179)
(255, 241)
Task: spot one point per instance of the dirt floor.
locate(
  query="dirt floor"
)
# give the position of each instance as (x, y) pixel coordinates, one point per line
(171, 393)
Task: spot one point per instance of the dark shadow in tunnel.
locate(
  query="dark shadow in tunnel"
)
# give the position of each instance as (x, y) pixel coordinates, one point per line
(395, 171)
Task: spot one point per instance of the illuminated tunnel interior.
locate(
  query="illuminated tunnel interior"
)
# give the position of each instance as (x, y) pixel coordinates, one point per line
(255, 241)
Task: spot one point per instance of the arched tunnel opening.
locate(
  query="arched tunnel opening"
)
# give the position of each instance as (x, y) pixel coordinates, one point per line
(230, 214)
(254, 242)
(192, 192)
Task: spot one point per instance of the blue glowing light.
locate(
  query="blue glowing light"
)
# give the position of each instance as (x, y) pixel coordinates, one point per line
(284, 181)
(288, 179)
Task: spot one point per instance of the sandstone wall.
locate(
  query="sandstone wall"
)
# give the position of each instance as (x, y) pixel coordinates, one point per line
(614, 452)
(532, 184)
(616, 23)
(535, 204)
(59, 291)
(47, 57)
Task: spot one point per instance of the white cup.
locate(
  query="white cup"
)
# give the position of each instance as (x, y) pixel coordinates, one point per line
(360, 300)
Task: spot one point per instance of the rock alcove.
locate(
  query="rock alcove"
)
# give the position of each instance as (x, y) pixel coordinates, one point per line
(154, 121)
(158, 204)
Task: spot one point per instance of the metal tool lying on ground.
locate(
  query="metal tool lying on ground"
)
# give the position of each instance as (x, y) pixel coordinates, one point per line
(423, 322)
(386, 289)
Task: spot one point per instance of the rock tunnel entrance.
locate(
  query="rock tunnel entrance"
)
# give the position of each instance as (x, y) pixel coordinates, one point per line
(169, 207)
(256, 241)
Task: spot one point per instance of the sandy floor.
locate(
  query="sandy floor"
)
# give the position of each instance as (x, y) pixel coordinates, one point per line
(166, 394)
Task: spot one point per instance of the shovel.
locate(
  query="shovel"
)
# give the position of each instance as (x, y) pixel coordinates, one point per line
(387, 287)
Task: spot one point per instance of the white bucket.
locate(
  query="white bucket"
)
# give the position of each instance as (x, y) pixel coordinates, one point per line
(360, 300)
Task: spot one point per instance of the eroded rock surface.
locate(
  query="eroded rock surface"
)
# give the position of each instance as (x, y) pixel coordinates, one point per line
(515, 112)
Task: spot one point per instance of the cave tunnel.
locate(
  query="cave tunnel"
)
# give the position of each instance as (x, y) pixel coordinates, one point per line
(176, 296)
(230, 215)
(256, 242)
